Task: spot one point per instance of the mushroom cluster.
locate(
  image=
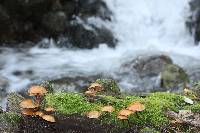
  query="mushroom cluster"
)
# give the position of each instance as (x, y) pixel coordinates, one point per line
(93, 89)
(131, 109)
(96, 114)
(33, 107)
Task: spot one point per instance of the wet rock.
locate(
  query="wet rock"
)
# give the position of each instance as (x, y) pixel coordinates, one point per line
(54, 22)
(152, 74)
(148, 65)
(172, 76)
(29, 21)
(193, 22)
(82, 37)
(96, 8)
(4, 82)
(13, 101)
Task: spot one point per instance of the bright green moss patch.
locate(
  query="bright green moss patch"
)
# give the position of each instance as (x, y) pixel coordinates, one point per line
(67, 103)
(154, 114)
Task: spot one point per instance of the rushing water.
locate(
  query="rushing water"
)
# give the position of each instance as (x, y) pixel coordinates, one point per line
(141, 26)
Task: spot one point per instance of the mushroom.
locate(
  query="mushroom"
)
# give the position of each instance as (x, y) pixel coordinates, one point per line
(96, 87)
(28, 112)
(125, 112)
(48, 118)
(136, 106)
(93, 114)
(39, 113)
(37, 91)
(90, 93)
(109, 109)
(121, 117)
(28, 104)
(49, 110)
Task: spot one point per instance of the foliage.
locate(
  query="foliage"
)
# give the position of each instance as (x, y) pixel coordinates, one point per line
(153, 115)
(110, 86)
(10, 117)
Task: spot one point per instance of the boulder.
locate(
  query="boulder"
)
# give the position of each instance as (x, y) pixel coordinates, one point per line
(193, 22)
(23, 21)
(147, 65)
(153, 73)
(54, 22)
(173, 76)
(81, 37)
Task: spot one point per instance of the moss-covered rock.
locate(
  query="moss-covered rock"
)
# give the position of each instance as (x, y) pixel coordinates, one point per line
(110, 87)
(13, 102)
(153, 116)
(172, 76)
(9, 122)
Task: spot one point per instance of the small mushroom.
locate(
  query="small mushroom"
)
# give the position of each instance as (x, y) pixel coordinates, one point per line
(93, 114)
(48, 118)
(121, 117)
(90, 93)
(49, 110)
(28, 112)
(109, 109)
(136, 106)
(125, 112)
(96, 87)
(28, 104)
(37, 90)
(39, 113)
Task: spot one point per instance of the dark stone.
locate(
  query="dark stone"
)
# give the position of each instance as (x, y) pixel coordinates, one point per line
(193, 22)
(81, 37)
(54, 22)
(23, 21)
(148, 65)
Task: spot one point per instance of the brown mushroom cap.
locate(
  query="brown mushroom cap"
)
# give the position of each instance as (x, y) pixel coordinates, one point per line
(35, 90)
(49, 109)
(125, 112)
(28, 112)
(93, 114)
(48, 118)
(95, 87)
(136, 106)
(39, 113)
(90, 93)
(121, 117)
(109, 109)
(28, 104)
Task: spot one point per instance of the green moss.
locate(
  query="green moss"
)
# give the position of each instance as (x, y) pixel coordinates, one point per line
(110, 86)
(154, 115)
(67, 103)
(10, 117)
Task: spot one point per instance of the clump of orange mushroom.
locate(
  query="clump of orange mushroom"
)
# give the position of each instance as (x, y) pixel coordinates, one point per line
(38, 92)
(131, 109)
(32, 108)
(93, 89)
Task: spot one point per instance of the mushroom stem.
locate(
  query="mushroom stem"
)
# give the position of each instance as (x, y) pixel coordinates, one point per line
(38, 98)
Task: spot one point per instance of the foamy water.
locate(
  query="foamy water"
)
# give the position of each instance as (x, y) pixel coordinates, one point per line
(141, 26)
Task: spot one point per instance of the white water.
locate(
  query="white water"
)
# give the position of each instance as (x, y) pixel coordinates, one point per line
(141, 26)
